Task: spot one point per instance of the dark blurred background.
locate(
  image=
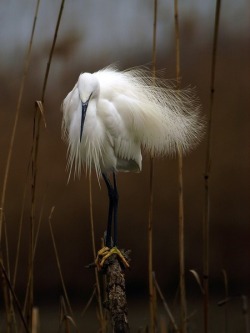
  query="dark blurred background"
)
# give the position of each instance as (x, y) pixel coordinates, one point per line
(94, 34)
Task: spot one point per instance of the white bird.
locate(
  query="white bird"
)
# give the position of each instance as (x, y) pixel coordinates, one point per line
(111, 116)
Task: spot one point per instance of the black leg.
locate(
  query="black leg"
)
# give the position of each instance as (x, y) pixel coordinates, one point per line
(116, 199)
(108, 241)
(112, 214)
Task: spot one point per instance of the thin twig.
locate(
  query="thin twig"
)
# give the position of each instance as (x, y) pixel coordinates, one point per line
(98, 289)
(183, 304)
(65, 318)
(150, 253)
(89, 302)
(166, 307)
(20, 96)
(8, 298)
(206, 220)
(36, 137)
(52, 51)
(14, 297)
(225, 280)
(33, 258)
(58, 262)
(21, 224)
(10, 150)
(152, 301)
(177, 45)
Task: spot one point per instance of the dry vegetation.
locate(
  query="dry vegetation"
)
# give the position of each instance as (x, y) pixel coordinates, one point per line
(45, 244)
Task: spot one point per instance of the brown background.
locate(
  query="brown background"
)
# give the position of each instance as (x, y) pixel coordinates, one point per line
(91, 36)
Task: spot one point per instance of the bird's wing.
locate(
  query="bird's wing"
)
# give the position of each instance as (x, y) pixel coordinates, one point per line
(161, 118)
(124, 144)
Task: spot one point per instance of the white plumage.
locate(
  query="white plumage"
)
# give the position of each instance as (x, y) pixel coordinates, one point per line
(125, 112)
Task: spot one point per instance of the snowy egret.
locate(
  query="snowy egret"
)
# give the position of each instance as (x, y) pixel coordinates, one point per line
(111, 116)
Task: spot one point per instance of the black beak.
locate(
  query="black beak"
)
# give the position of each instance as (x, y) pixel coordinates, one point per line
(84, 110)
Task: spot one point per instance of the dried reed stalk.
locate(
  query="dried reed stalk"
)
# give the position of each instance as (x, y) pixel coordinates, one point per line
(183, 303)
(20, 226)
(166, 307)
(101, 317)
(35, 320)
(206, 219)
(7, 295)
(225, 280)
(152, 296)
(19, 101)
(65, 319)
(34, 252)
(58, 264)
(10, 288)
(36, 137)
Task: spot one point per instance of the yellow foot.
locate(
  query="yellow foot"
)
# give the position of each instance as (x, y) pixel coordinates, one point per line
(106, 252)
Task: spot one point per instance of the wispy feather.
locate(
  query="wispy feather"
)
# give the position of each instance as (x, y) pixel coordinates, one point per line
(127, 111)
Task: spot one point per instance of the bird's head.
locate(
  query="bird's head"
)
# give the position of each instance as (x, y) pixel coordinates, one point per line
(88, 87)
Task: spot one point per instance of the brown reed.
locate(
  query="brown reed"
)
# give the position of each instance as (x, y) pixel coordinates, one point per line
(152, 295)
(183, 302)
(206, 218)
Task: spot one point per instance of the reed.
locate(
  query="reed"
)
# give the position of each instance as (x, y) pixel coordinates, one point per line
(225, 280)
(65, 319)
(101, 316)
(6, 292)
(183, 302)
(165, 304)
(39, 114)
(69, 308)
(18, 107)
(152, 295)
(207, 171)
(14, 309)
(16, 301)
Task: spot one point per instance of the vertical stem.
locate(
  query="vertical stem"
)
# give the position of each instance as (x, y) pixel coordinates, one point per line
(69, 308)
(11, 290)
(226, 296)
(154, 39)
(20, 96)
(177, 45)
(32, 218)
(36, 135)
(152, 295)
(10, 150)
(7, 301)
(183, 305)
(206, 220)
(150, 253)
(98, 289)
(52, 51)
(245, 312)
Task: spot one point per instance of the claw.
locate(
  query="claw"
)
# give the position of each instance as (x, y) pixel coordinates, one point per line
(106, 252)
